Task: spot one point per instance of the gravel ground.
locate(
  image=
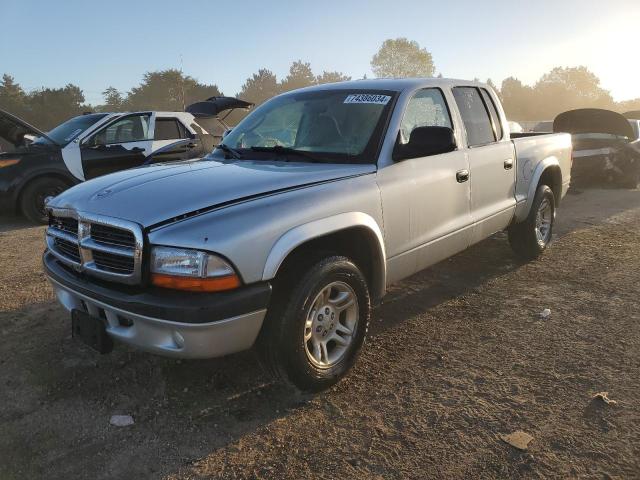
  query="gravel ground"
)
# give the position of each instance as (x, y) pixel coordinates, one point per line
(458, 356)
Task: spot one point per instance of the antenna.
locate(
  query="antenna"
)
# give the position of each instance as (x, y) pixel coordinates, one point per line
(182, 83)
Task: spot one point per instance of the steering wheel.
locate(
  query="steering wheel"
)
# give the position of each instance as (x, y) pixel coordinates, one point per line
(266, 141)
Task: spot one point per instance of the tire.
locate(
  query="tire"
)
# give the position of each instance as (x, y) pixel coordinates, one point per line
(288, 340)
(34, 195)
(527, 240)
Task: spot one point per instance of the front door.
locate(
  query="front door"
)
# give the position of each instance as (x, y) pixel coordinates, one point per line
(426, 201)
(491, 162)
(124, 143)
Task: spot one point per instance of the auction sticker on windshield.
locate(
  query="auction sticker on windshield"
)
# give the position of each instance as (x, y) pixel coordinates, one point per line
(367, 98)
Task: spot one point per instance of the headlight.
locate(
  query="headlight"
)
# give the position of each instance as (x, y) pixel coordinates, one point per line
(185, 269)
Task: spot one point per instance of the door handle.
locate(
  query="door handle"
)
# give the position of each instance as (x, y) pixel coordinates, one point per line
(462, 176)
(191, 145)
(508, 164)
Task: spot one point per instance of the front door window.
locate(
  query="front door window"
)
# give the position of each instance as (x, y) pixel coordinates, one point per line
(132, 128)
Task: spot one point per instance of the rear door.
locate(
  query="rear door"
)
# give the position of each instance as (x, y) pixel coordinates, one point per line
(491, 162)
(172, 141)
(124, 143)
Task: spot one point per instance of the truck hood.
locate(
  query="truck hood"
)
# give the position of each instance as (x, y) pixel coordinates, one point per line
(163, 192)
(13, 129)
(593, 120)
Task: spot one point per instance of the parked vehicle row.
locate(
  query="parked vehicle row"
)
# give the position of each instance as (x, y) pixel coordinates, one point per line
(296, 224)
(36, 165)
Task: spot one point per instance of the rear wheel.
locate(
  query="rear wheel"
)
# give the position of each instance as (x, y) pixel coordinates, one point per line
(317, 324)
(531, 237)
(33, 198)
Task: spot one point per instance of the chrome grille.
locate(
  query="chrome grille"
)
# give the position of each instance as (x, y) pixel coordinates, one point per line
(112, 236)
(113, 263)
(67, 248)
(104, 247)
(66, 224)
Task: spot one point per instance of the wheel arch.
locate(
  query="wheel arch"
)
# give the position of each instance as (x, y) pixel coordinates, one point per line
(547, 172)
(66, 178)
(353, 234)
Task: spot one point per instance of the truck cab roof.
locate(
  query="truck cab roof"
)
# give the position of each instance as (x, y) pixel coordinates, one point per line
(394, 84)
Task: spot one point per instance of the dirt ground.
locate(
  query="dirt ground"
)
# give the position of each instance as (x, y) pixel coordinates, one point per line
(457, 357)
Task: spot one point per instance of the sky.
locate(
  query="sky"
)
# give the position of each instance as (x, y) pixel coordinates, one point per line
(96, 44)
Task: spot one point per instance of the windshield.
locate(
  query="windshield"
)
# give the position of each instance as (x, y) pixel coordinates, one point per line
(67, 131)
(333, 125)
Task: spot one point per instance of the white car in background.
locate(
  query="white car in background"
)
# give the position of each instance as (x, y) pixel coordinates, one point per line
(35, 165)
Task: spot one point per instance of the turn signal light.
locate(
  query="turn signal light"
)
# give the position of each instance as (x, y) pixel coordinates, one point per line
(8, 163)
(194, 284)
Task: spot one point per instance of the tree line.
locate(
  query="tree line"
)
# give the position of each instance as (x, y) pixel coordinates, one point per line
(561, 89)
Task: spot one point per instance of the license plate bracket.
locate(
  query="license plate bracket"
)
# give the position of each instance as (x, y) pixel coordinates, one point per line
(91, 331)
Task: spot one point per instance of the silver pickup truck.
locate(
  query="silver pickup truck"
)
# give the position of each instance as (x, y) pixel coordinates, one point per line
(293, 227)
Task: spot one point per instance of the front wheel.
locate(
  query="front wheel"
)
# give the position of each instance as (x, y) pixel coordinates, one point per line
(35, 195)
(531, 237)
(317, 324)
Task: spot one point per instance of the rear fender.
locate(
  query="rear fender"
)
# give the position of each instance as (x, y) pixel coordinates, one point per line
(522, 211)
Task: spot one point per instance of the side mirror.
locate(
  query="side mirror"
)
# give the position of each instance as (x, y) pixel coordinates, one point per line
(425, 141)
(226, 132)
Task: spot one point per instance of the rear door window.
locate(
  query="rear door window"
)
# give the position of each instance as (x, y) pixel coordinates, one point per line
(475, 116)
(493, 111)
(169, 129)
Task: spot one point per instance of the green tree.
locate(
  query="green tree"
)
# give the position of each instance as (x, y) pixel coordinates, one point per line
(113, 100)
(257, 89)
(564, 89)
(628, 105)
(517, 100)
(168, 90)
(260, 87)
(402, 58)
(331, 77)
(48, 107)
(300, 75)
(12, 96)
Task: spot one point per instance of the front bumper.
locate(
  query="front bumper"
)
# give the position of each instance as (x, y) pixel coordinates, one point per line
(185, 325)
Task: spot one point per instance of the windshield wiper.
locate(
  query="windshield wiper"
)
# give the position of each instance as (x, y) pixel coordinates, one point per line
(289, 151)
(230, 151)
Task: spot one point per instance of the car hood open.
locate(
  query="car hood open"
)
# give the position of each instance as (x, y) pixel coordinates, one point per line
(13, 129)
(593, 120)
(160, 193)
(212, 106)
